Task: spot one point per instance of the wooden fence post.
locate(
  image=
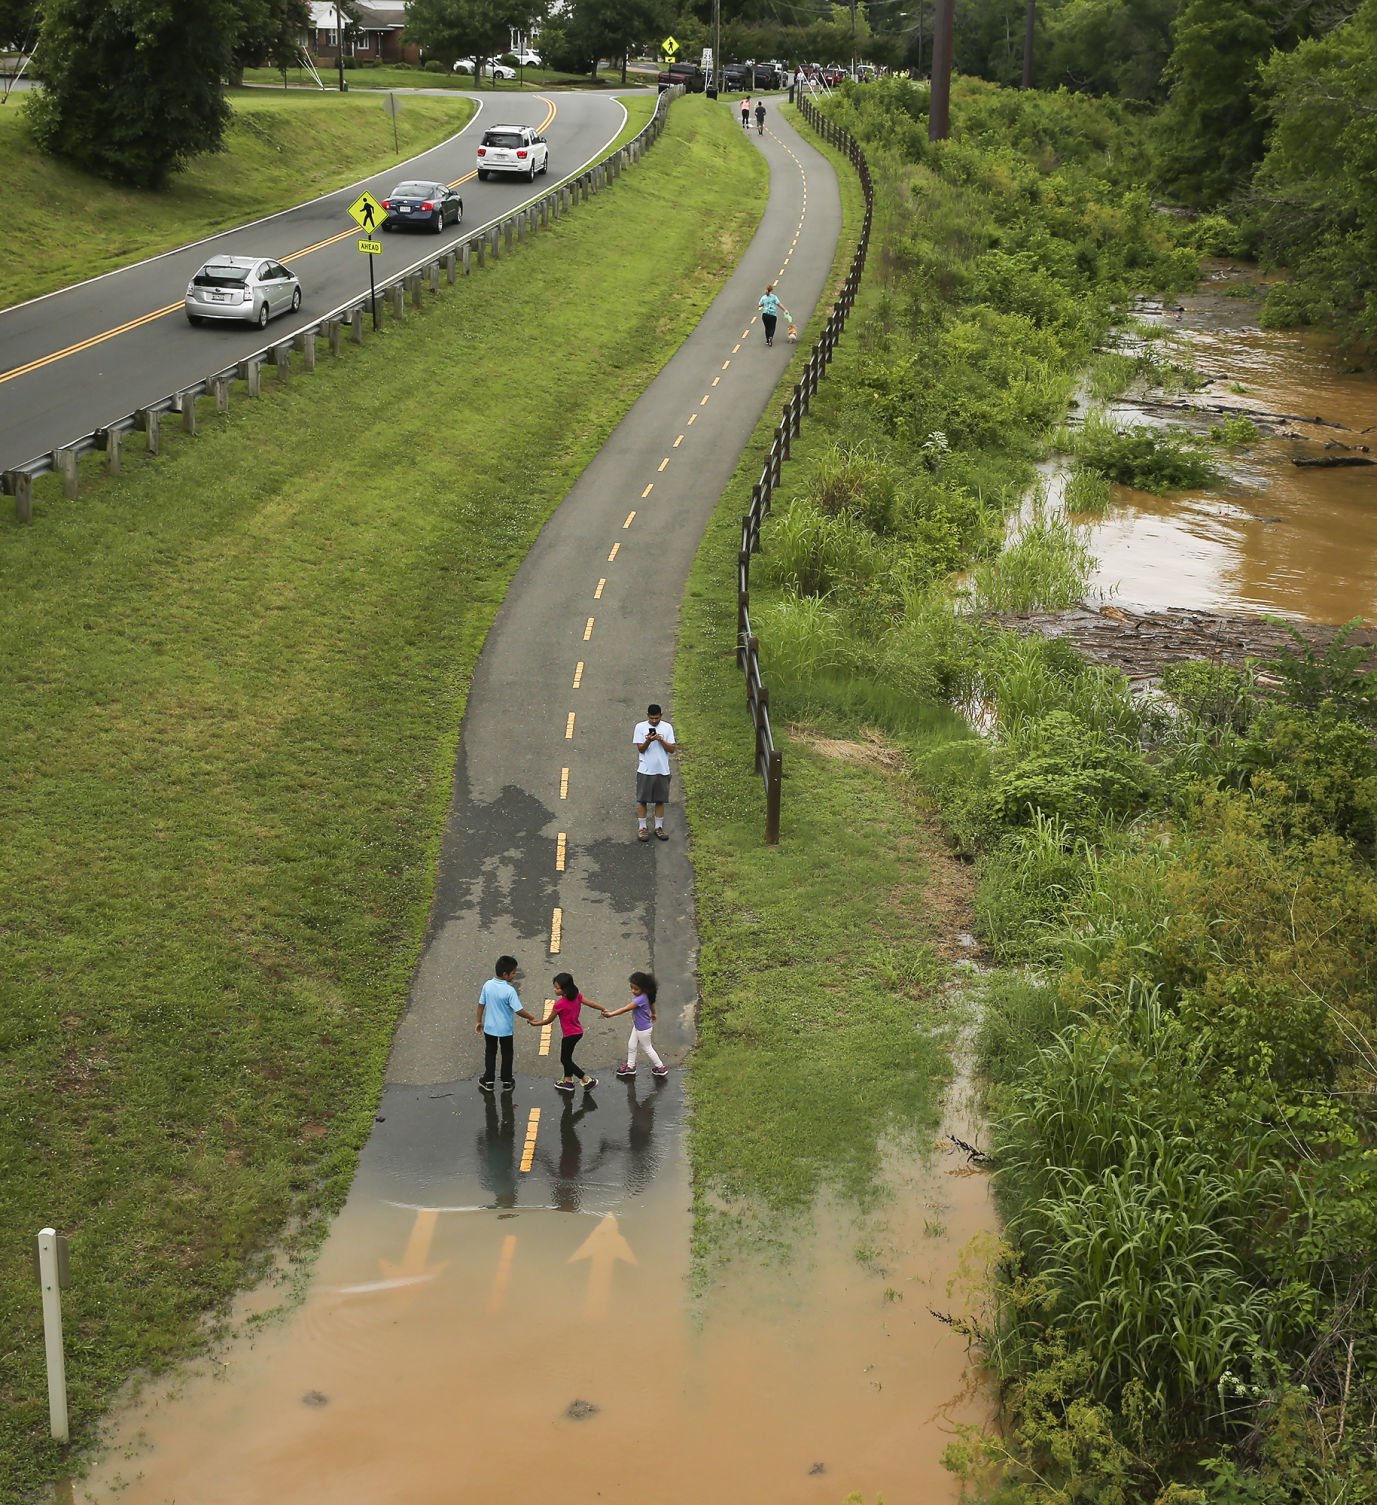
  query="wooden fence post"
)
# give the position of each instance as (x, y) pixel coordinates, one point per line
(282, 361)
(187, 402)
(19, 484)
(110, 440)
(65, 464)
(219, 388)
(305, 342)
(152, 437)
(356, 326)
(774, 779)
(250, 375)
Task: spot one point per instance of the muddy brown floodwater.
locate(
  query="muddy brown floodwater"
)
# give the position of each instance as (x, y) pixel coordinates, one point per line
(1274, 537)
(532, 1333)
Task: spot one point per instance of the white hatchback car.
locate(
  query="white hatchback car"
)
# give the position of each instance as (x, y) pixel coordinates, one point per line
(491, 68)
(247, 289)
(513, 149)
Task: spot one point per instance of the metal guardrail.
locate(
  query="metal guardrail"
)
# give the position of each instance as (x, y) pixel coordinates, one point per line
(495, 240)
(768, 762)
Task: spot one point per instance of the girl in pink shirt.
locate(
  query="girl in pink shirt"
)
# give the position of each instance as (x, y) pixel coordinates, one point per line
(567, 1003)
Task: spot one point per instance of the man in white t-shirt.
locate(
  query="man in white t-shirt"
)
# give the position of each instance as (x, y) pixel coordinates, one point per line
(654, 739)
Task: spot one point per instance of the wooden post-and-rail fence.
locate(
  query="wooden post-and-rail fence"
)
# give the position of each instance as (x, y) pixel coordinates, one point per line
(768, 762)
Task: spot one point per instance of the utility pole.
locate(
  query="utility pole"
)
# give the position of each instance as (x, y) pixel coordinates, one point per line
(1028, 43)
(853, 40)
(717, 45)
(939, 97)
(339, 48)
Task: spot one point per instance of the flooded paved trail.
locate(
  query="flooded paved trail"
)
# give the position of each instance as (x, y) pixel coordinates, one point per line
(505, 1308)
(478, 1331)
(1274, 538)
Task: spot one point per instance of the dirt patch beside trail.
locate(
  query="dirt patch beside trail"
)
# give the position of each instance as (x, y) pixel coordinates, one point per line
(1143, 643)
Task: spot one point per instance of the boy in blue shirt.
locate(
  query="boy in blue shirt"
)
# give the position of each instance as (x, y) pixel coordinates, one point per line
(498, 1005)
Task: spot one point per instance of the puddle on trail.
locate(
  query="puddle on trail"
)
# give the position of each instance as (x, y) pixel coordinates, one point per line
(493, 1334)
(1276, 538)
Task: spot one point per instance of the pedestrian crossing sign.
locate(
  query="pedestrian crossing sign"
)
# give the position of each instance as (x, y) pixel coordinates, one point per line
(368, 213)
(670, 49)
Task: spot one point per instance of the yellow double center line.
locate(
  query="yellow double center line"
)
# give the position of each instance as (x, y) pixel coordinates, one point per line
(171, 308)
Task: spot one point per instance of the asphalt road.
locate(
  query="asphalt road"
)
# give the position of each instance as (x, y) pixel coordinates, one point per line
(84, 357)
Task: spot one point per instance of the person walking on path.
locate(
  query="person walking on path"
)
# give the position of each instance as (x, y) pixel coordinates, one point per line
(770, 309)
(760, 117)
(565, 1007)
(642, 1008)
(654, 740)
(746, 113)
(498, 1004)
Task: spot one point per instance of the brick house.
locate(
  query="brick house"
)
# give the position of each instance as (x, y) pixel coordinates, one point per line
(375, 37)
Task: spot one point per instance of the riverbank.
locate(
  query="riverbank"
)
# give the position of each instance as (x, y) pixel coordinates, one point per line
(1179, 890)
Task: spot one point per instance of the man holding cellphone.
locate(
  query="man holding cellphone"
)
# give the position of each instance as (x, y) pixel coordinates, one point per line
(654, 739)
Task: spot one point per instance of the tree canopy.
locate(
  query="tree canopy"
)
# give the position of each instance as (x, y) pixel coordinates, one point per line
(133, 88)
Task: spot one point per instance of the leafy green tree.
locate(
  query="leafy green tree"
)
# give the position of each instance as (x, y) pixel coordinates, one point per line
(1312, 193)
(450, 29)
(1211, 130)
(268, 32)
(18, 23)
(1117, 47)
(595, 29)
(133, 88)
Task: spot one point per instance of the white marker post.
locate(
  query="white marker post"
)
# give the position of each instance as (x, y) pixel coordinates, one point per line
(51, 1248)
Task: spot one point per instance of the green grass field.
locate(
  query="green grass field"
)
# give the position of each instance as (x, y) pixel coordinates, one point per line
(282, 149)
(230, 700)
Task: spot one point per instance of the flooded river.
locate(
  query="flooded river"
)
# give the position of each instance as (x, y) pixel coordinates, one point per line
(1272, 537)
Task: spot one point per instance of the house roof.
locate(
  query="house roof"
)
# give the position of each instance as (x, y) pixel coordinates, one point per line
(372, 17)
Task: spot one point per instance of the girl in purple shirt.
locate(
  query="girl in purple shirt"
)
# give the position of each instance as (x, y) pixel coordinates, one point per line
(566, 1005)
(642, 1007)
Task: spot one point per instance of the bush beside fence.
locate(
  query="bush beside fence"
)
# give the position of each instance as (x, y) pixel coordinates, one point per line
(768, 762)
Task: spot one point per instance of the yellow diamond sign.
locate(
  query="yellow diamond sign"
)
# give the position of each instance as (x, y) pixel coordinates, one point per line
(669, 47)
(368, 213)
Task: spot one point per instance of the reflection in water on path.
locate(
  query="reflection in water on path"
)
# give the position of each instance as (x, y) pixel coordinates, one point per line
(476, 1332)
(1274, 537)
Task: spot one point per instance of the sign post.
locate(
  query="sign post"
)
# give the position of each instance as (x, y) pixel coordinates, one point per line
(369, 214)
(51, 1252)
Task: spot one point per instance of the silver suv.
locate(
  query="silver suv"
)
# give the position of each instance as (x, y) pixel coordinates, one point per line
(515, 149)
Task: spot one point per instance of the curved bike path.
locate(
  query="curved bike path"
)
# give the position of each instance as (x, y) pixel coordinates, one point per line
(454, 1274)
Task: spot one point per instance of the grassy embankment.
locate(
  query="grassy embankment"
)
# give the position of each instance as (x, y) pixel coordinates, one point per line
(1182, 899)
(229, 702)
(281, 149)
(822, 1030)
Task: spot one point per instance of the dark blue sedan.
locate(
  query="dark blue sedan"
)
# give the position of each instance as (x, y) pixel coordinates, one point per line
(429, 206)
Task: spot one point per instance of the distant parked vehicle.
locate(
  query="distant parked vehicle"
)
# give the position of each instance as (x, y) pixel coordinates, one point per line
(246, 289)
(425, 205)
(527, 59)
(491, 68)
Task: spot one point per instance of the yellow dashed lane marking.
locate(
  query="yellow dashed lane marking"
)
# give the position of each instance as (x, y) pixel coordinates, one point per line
(664, 462)
(630, 518)
(588, 630)
(556, 931)
(678, 441)
(613, 554)
(597, 594)
(569, 727)
(561, 848)
(532, 1130)
(647, 491)
(564, 783)
(578, 674)
(545, 1030)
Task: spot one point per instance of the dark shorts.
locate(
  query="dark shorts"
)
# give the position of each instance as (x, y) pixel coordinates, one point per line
(652, 788)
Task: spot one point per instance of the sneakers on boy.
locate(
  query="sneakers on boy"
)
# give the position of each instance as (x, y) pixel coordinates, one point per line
(625, 1070)
(484, 1086)
(589, 1082)
(659, 1071)
(508, 1086)
(565, 1084)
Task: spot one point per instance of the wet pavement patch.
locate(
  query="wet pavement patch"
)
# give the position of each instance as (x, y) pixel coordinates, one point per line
(581, 1410)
